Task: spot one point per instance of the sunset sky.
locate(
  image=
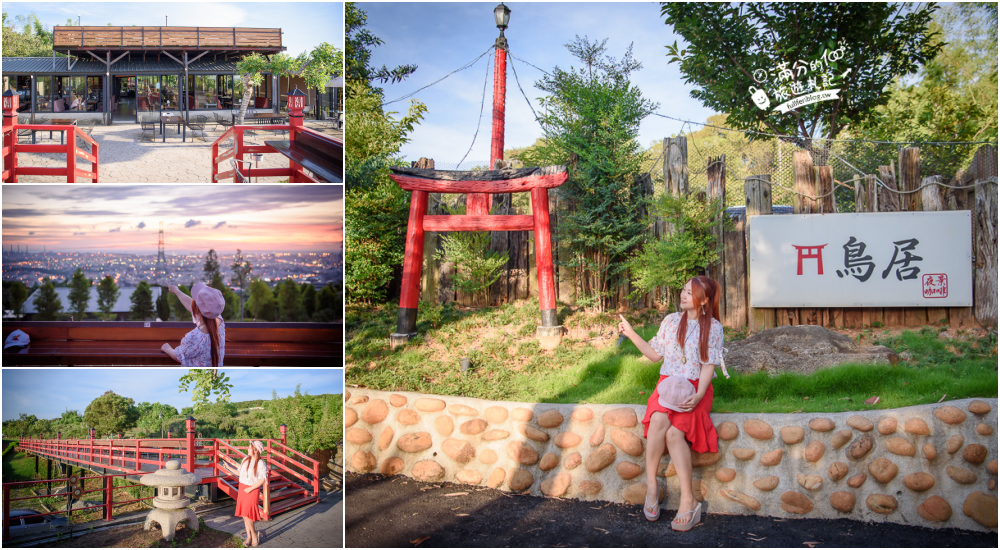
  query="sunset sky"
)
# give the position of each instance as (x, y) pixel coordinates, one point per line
(126, 219)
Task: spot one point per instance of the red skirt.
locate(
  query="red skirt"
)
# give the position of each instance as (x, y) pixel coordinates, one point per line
(696, 424)
(246, 503)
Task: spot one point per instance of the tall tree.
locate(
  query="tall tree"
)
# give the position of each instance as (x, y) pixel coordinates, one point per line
(111, 413)
(308, 299)
(47, 302)
(142, 302)
(289, 301)
(590, 123)
(107, 295)
(177, 307)
(734, 49)
(241, 275)
(262, 303)
(203, 383)
(163, 305)
(316, 68)
(18, 295)
(79, 294)
(211, 268)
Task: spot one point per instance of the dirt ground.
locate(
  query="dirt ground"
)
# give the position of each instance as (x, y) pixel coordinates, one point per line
(401, 512)
(132, 536)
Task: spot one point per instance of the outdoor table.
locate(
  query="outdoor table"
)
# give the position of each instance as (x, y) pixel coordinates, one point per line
(179, 121)
(56, 122)
(317, 164)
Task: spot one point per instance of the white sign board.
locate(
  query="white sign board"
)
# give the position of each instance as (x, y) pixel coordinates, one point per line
(897, 259)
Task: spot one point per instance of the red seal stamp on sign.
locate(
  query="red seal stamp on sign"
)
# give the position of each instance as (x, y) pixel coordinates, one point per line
(935, 285)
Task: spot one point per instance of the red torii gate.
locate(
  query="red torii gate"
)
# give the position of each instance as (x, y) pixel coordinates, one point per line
(420, 182)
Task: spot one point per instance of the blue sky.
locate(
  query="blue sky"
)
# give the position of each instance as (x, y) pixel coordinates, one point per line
(46, 393)
(305, 24)
(441, 37)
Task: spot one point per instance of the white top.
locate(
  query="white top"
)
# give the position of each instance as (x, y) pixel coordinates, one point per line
(665, 344)
(249, 478)
(195, 351)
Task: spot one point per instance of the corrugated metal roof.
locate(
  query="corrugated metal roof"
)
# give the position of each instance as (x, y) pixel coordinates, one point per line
(43, 65)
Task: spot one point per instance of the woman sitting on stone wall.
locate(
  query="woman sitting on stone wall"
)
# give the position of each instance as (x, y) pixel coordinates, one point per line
(677, 415)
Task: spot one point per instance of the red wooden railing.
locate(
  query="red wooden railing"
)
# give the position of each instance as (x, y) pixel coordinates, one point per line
(294, 172)
(222, 459)
(107, 487)
(11, 148)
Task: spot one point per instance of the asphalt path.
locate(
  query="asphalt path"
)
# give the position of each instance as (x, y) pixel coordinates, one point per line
(401, 512)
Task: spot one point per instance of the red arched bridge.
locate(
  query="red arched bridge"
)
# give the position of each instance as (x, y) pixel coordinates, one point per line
(294, 478)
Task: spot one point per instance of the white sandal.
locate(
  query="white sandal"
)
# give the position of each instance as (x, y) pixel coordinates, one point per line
(686, 526)
(645, 510)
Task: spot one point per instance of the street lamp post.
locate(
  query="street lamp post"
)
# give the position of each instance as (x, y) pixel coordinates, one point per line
(479, 203)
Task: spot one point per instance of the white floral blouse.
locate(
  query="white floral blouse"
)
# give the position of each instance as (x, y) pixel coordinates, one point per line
(249, 478)
(195, 351)
(665, 344)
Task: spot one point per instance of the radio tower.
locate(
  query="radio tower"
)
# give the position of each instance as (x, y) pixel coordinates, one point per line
(160, 256)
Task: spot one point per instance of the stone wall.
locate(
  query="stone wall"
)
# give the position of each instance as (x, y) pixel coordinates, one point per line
(930, 465)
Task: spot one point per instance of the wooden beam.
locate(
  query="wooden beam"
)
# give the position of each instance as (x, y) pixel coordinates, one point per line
(478, 223)
(517, 185)
(103, 61)
(115, 60)
(166, 53)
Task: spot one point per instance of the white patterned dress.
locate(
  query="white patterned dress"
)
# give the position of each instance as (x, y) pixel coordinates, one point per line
(195, 351)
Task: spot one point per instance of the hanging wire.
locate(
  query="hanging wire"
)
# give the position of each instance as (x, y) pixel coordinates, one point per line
(528, 63)
(522, 91)
(462, 68)
(479, 123)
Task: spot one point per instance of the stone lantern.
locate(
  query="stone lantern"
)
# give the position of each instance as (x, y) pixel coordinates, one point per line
(170, 504)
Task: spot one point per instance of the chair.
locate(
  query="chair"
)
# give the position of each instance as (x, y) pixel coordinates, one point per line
(23, 120)
(221, 121)
(87, 126)
(148, 124)
(240, 178)
(59, 106)
(198, 125)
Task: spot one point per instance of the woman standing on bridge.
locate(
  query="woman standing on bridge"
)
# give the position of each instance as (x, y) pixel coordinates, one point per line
(677, 415)
(253, 474)
(205, 346)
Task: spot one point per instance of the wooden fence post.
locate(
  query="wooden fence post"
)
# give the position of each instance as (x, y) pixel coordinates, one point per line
(909, 178)
(716, 174)
(933, 201)
(804, 182)
(890, 198)
(757, 190)
(985, 226)
(675, 182)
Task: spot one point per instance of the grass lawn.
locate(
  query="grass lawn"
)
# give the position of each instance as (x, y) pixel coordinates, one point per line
(588, 367)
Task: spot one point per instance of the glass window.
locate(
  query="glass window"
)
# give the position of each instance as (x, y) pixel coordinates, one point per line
(43, 93)
(77, 93)
(202, 92)
(225, 88)
(24, 93)
(170, 91)
(148, 93)
(95, 93)
(262, 93)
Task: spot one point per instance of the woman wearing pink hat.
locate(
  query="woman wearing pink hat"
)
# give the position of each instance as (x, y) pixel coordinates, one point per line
(253, 474)
(677, 415)
(205, 346)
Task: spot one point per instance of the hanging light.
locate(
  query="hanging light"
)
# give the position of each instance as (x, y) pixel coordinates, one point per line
(501, 14)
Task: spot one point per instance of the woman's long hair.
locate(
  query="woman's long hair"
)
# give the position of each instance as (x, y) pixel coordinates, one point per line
(213, 334)
(702, 287)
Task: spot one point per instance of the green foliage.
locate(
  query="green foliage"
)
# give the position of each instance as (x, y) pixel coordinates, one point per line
(313, 422)
(32, 40)
(47, 302)
(177, 307)
(241, 274)
(316, 68)
(149, 416)
(79, 296)
(375, 230)
(23, 425)
(16, 294)
(590, 123)
(261, 302)
(202, 383)
(163, 305)
(476, 266)
(211, 267)
(726, 43)
(685, 253)
(107, 294)
(308, 299)
(289, 301)
(232, 307)
(142, 302)
(329, 304)
(111, 413)
(955, 96)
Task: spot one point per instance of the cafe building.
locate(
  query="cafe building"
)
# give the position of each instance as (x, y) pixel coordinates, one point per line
(117, 73)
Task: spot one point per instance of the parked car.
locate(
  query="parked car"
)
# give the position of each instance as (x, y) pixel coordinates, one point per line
(21, 525)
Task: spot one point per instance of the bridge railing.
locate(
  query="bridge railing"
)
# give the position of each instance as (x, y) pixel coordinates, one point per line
(11, 149)
(107, 487)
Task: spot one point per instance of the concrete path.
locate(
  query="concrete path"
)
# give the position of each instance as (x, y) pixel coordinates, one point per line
(400, 512)
(125, 158)
(319, 525)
